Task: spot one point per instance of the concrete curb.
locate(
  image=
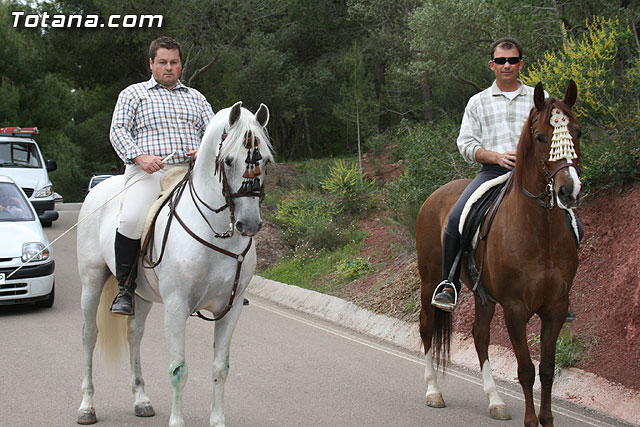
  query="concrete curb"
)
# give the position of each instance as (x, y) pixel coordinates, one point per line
(575, 385)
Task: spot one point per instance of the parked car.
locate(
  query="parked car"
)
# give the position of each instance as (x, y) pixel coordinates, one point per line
(22, 161)
(97, 179)
(22, 239)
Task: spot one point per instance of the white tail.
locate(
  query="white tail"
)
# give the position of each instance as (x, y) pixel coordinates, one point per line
(112, 328)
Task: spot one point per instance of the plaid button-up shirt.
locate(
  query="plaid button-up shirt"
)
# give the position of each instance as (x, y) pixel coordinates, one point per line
(493, 121)
(151, 119)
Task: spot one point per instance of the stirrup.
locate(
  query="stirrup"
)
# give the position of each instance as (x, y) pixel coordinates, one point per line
(442, 306)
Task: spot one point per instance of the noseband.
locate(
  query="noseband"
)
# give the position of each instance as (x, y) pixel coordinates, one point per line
(559, 149)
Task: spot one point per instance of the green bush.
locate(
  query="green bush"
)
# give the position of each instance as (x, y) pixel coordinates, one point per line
(348, 185)
(353, 269)
(570, 348)
(431, 159)
(604, 63)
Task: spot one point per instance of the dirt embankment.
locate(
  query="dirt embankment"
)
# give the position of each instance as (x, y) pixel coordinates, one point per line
(605, 293)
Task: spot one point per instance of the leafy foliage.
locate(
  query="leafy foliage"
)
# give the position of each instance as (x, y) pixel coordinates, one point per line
(604, 65)
(431, 159)
(353, 269)
(348, 185)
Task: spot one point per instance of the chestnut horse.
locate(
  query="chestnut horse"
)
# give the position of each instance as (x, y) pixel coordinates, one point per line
(530, 258)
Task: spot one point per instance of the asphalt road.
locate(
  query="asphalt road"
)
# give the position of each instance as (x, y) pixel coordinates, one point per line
(287, 369)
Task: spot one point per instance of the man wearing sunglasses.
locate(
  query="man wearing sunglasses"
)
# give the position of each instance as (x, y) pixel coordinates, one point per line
(489, 135)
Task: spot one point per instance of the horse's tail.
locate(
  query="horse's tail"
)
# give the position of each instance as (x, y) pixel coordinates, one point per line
(113, 329)
(441, 341)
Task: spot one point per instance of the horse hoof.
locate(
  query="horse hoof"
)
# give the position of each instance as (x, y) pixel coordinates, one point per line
(144, 410)
(87, 417)
(499, 413)
(435, 401)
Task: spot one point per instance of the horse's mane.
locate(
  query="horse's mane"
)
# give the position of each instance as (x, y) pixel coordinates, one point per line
(526, 151)
(233, 145)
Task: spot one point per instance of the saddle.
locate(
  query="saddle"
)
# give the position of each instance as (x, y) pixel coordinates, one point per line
(482, 203)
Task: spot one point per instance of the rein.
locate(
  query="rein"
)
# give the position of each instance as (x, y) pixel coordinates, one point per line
(174, 198)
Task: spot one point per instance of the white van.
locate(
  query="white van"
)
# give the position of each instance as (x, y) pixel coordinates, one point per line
(22, 161)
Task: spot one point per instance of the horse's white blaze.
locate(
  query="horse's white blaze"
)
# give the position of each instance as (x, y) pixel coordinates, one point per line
(430, 375)
(577, 185)
(489, 385)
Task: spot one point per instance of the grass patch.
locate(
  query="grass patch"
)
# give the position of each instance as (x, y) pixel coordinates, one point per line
(314, 270)
(570, 348)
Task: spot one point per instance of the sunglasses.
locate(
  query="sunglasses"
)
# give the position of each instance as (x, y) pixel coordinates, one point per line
(513, 60)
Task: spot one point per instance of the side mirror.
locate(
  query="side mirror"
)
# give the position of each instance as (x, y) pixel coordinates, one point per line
(51, 165)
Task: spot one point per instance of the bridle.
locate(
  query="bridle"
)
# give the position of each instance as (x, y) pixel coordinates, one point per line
(176, 195)
(546, 199)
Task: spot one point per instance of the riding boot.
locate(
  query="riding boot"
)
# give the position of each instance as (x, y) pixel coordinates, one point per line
(446, 297)
(126, 272)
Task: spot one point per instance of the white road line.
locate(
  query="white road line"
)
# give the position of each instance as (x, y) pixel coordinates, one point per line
(419, 361)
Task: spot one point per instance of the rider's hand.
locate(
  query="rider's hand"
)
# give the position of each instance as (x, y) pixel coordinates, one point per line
(193, 153)
(149, 163)
(507, 160)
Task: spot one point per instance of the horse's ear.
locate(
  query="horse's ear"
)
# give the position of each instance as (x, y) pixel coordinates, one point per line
(571, 94)
(538, 96)
(262, 115)
(234, 115)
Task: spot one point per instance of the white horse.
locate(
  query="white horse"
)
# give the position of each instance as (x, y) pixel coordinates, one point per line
(204, 270)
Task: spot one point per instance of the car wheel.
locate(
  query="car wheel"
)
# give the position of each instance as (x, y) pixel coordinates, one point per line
(47, 303)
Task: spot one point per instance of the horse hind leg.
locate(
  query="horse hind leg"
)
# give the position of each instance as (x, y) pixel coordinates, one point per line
(142, 404)
(481, 333)
(433, 395)
(92, 285)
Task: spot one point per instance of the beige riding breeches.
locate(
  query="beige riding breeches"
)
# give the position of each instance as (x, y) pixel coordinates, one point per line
(138, 198)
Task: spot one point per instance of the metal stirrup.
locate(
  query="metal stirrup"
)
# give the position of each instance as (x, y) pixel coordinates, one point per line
(442, 285)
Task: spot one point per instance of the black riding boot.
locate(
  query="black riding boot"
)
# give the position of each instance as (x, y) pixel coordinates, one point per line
(126, 273)
(446, 298)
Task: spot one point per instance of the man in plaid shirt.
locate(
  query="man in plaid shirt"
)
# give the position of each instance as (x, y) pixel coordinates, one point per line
(151, 120)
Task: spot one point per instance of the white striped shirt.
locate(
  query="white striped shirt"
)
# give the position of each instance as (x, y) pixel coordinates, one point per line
(493, 121)
(152, 119)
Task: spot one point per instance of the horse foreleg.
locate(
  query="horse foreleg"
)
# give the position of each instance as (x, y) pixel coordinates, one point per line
(175, 322)
(221, 345)
(434, 395)
(516, 325)
(89, 306)
(551, 326)
(481, 334)
(142, 404)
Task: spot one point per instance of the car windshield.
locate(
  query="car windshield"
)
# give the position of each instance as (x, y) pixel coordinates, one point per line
(19, 154)
(97, 179)
(13, 205)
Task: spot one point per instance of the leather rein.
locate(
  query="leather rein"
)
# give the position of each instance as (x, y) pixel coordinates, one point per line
(174, 198)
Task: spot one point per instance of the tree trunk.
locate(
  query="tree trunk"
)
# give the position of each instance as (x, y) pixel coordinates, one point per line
(426, 91)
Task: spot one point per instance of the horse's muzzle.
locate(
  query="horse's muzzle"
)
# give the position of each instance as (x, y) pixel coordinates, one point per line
(248, 230)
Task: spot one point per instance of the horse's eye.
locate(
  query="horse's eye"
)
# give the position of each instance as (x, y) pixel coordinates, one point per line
(540, 138)
(228, 161)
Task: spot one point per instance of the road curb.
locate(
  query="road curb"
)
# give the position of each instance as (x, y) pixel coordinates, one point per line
(575, 385)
